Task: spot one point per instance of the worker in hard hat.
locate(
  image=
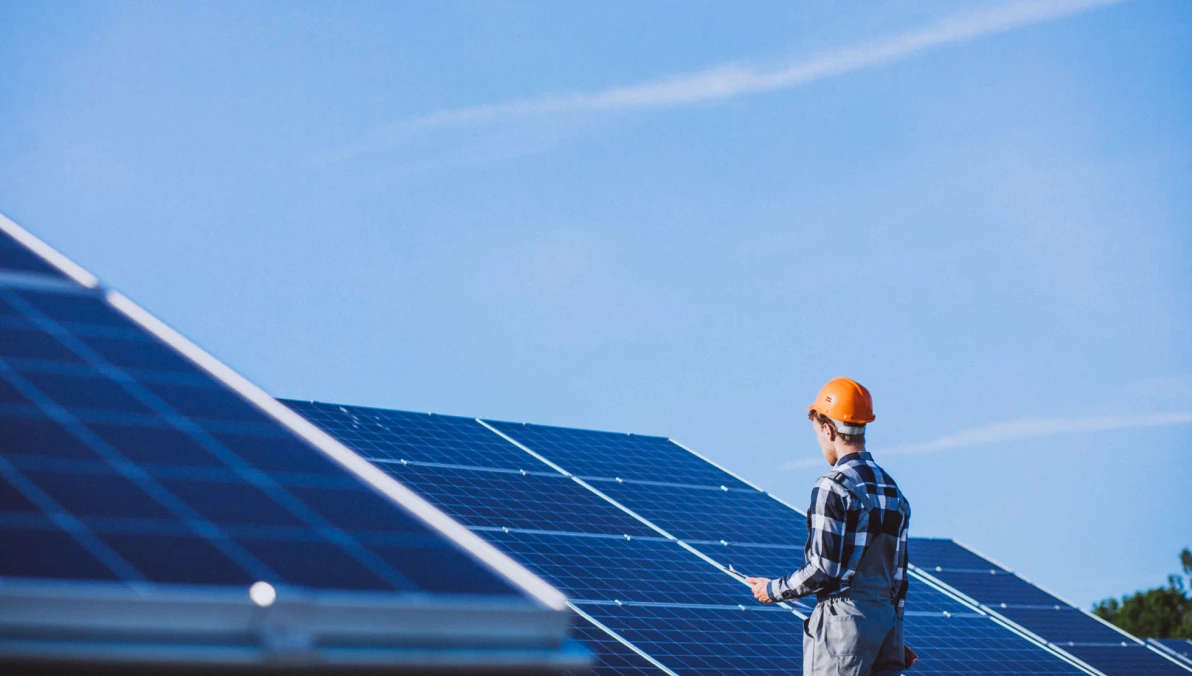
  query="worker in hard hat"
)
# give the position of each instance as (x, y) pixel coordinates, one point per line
(856, 548)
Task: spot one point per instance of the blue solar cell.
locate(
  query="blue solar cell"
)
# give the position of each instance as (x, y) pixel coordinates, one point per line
(995, 589)
(612, 656)
(38, 436)
(114, 472)
(16, 258)
(1064, 624)
(24, 342)
(96, 495)
(689, 513)
(962, 644)
(510, 499)
(155, 445)
(181, 559)
(610, 568)
(48, 554)
(85, 394)
(1131, 660)
(934, 553)
(320, 564)
(379, 434)
(587, 453)
(723, 640)
(10, 395)
(231, 503)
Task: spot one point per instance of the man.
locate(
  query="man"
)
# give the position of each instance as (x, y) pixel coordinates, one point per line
(856, 548)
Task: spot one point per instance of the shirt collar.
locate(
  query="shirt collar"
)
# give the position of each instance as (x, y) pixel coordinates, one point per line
(854, 457)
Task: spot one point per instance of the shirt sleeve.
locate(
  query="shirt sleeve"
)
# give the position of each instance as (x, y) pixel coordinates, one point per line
(829, 516)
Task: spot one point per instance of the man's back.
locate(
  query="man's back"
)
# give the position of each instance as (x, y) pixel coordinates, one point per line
(860, 503)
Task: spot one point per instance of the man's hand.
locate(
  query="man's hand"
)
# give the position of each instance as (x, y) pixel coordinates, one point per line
(760, 589)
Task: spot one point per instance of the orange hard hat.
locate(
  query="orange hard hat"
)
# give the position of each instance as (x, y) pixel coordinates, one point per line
(846, 400)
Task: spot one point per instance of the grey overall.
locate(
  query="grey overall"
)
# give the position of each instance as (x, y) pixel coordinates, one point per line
(857, 632)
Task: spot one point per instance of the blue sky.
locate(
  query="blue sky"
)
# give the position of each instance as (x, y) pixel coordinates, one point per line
(675, 218)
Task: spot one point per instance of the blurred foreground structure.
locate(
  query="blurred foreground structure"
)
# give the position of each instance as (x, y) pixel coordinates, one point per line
(145, 488)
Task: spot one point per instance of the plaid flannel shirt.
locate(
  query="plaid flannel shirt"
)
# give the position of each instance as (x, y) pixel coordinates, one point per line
(840, 529)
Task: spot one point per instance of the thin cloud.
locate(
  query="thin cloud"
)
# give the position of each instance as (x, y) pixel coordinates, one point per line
(1017, 430)
(729, 81)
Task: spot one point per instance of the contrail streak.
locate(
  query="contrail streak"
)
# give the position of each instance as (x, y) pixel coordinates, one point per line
(728, 81)
(1016, 430)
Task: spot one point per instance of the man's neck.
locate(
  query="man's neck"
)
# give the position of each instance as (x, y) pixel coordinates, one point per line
(843, 452)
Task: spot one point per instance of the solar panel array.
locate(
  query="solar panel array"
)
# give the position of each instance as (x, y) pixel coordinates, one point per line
(131, 459)
(654, 586)
(125, 462)
(1088, 638)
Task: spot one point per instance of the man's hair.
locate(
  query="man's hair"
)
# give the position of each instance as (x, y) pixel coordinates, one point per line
(846, 438)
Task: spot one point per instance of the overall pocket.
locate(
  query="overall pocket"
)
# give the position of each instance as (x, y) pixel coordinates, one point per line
(842, 635)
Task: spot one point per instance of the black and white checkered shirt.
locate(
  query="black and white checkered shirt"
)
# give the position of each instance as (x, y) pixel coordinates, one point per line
(841, 529)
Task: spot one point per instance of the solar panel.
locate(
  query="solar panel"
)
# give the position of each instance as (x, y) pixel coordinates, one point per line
(1105, 648)
(706, 621)
(964, 644)
(612, 568)
(131, 458)
(612, 455)
(1062, 624)
(511, 499)
(710, 640)
(939, 553)
(380, 434)
(710, 514)
(1131, 659)
(996, 588)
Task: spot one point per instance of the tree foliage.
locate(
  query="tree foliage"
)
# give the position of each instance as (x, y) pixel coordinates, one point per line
(1162, 612)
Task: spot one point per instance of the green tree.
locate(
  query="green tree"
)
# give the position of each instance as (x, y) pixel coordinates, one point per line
(1163, 612)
